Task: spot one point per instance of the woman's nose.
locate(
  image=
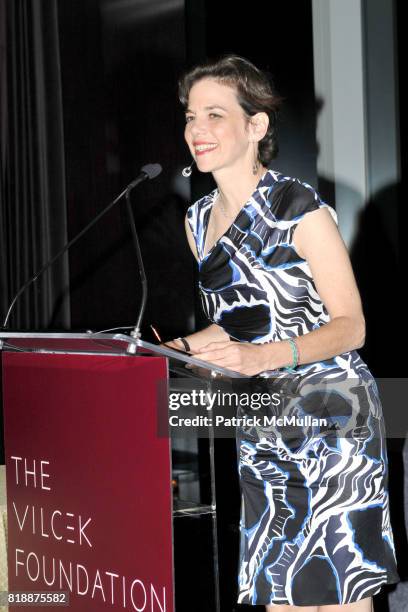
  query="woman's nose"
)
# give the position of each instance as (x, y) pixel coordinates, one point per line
(198, 126)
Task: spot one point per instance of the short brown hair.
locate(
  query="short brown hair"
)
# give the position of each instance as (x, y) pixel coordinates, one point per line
(254, 88)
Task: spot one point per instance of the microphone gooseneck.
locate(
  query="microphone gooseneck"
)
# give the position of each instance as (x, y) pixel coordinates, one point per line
(136, 333)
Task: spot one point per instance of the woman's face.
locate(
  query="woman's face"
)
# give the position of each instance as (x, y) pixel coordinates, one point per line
(216, 127)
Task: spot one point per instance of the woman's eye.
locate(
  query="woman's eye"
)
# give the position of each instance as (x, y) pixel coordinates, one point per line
(210, 115)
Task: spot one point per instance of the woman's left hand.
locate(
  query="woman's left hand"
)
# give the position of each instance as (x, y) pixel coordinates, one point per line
(243, 357)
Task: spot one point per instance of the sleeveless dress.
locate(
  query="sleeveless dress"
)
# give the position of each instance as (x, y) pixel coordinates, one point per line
(315, 522)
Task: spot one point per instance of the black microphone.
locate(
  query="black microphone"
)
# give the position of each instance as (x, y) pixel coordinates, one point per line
(149, 171)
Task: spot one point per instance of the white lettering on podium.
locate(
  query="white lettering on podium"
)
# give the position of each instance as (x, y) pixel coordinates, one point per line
(112, 577)
(70, 528)
(31, 472)
(44, 535)
(68, 581)
(18, 550)
(53, 515)
(143, 596)
(21, 525)
(81, 531)
(124, 591)
(44, 573)
(140, 583)
(33, 556)
(87, 579)
(98, 585)
(78, 526)
(153, 592)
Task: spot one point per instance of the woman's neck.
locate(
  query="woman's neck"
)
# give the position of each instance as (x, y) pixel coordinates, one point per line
(235, 188)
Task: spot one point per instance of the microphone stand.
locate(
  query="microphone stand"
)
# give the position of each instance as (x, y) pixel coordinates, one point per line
(136, 333)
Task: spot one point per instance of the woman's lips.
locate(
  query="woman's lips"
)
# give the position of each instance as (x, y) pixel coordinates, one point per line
(205, 150)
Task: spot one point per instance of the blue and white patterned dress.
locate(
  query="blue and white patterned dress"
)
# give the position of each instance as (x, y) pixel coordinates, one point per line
(315, 524)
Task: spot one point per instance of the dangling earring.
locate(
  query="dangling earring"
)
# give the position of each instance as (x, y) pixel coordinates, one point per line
(255, 165)
(187, 171)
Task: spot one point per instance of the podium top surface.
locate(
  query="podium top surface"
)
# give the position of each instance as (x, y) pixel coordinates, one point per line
(93, 344)
(108, 344)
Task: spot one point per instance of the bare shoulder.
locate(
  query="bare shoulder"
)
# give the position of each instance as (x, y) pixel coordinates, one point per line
(316, 225)
(320, 243)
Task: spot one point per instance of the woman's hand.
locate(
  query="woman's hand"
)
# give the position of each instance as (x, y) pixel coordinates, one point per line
(243, 357)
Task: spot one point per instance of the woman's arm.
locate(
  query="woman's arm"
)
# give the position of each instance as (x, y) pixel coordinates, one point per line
(318, 240)
(320, 243)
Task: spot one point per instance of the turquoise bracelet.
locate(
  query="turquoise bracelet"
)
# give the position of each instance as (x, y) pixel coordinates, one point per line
(295, 353)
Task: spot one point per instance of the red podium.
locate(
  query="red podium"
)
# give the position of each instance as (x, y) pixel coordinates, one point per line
(89, 481)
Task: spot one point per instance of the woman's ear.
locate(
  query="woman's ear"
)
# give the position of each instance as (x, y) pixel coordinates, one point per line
(259, 125)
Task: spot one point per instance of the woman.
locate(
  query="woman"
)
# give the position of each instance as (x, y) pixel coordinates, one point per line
(275, 276)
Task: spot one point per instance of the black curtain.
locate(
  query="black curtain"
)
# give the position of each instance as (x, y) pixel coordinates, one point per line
(3, 124)
(32, 205)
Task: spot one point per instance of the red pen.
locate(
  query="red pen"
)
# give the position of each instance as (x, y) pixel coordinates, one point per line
(156, 333)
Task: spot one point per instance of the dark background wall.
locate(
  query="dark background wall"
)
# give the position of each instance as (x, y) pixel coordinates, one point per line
(120, 63)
